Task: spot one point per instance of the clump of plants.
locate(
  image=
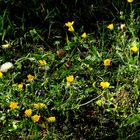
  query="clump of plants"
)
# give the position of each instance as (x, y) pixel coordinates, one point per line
(86, 89)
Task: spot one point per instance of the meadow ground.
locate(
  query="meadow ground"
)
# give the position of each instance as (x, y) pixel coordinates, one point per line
(69, 83)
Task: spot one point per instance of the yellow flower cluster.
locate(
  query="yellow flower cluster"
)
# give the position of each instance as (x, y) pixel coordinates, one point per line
(39, 105)
(28, 112)
(70, 26)
(35, 118)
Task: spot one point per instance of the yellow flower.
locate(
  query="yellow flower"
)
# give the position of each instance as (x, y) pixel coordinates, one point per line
(104, 84)
(42, 62)
(107, 62)
(35, 118)
(39, 105)
(20, 86)
(69, 24)
(28, 112)
(130, 1)
(51, 119)
(71, 29)
(84, 35)
(30, 77)
(110, 26)
(36, 106)
(13, 105)
(1, 74)
(70, 78)
(134, 49)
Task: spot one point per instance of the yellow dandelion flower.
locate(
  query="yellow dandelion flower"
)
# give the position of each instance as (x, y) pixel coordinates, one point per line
(84, 35)
(20, 86)
(36, 106)
(110, 26)
(28, 112)
(1, 74)
(70, 78)
(134, 49)
(69, 24)
(130, 1)
(42, 62)
(104, 84)
(107, 62)
(35, 118)
(51, 119)
(71, 29)
(30, 77)
(39, 105)
(13, 105)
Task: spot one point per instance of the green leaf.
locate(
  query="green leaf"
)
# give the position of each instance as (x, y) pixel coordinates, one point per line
(99, 102)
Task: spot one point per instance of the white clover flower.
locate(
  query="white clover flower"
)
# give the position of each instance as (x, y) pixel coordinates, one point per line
(6, 66)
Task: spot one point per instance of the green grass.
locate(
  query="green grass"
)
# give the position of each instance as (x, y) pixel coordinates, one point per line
(84, 106)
